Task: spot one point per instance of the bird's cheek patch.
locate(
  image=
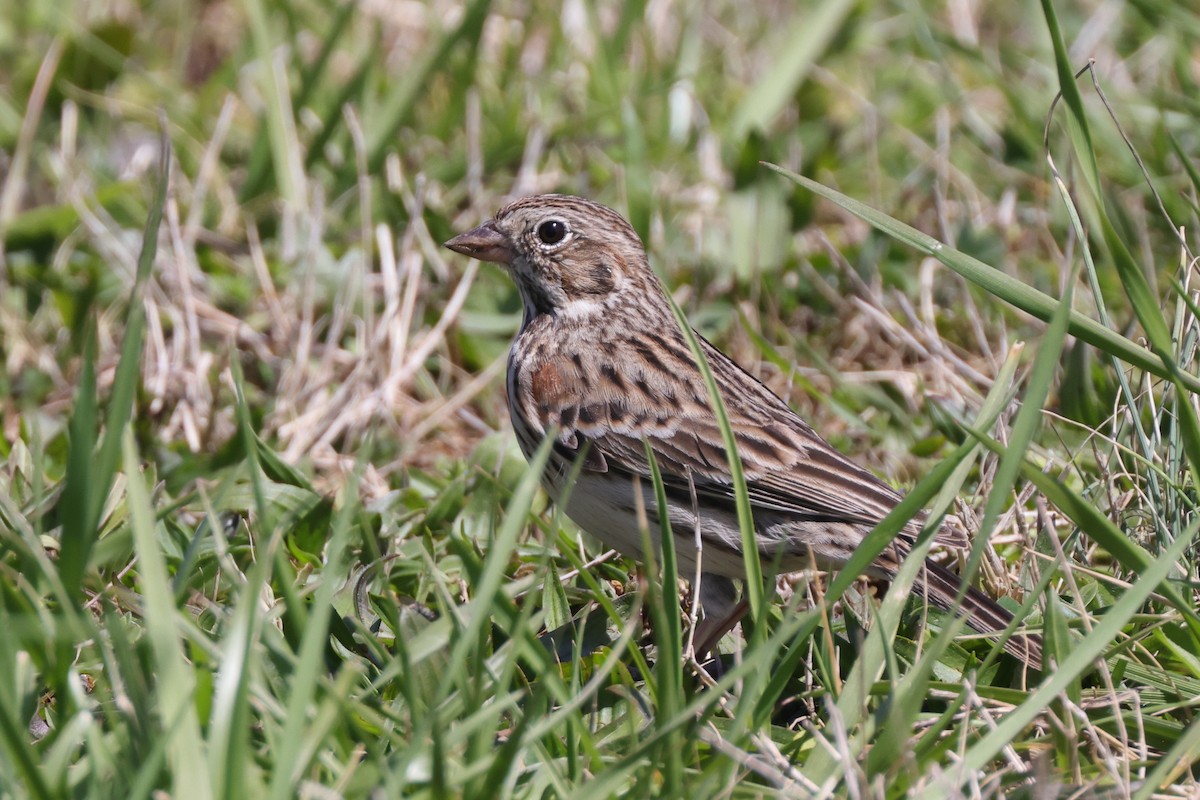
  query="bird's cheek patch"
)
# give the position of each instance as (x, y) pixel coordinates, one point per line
(591, 277)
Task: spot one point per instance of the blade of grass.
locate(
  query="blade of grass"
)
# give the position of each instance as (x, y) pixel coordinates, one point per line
(995, 282)
(175, 686)
(756, 590)
(78, 530)
(1037, 389)
(1131, 555)
(1148, 309)
(852, 703)
(1173, 764)
(20, 758)
(398, 106)
(1028, 418)
(898, 723)
(758, 659)
(807, 38)
(1076, 119)
(668, 635)
(90, 475)
(293, 754)
(259, 175)
(637, 171)
(287, 165)
(1186, 162)
(333, 118)
(230, 717)
(477, 614)
(55, 222)
(1079, 659)
(1142, 297)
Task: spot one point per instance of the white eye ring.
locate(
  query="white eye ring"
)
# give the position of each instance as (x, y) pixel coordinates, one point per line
(553, 232)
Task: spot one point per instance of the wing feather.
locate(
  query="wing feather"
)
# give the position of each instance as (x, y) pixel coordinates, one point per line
(789, 469)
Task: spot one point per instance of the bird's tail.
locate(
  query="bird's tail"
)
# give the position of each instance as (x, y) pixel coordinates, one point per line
(941, 587)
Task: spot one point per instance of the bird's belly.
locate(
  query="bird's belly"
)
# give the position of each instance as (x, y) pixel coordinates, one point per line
(606, 507)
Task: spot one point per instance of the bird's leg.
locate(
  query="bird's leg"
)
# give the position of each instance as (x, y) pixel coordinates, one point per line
(722, 610)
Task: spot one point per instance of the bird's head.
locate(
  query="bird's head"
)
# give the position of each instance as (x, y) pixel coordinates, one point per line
(570, 257)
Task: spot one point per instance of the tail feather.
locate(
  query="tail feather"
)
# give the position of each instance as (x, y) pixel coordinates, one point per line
(982, 613)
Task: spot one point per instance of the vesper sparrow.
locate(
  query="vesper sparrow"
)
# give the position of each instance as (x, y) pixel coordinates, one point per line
(601, 359)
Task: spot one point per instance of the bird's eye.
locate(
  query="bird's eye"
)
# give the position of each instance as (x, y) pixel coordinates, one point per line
(552, 231)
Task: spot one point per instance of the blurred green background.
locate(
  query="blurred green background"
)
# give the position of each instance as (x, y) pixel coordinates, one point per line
(313, 383)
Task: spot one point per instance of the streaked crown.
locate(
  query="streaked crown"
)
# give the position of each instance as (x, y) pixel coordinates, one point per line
(567, 254)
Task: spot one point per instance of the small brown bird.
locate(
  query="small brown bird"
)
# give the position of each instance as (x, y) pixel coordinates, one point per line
(600, 359)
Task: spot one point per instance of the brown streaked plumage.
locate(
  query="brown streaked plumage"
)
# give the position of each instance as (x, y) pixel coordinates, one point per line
(601, 360)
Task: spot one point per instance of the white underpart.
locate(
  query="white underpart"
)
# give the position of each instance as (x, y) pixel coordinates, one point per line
(604, 506)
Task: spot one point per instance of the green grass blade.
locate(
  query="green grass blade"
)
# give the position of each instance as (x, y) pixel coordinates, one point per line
(1029, 417)
(1173, 764)
(281, 125)
(995, 282)
(90, 477)
(1076, 119)
(756, 591)
(1186, 162)
(1080, 658)
(259, 175)
(638, 189)
(82, 481)
(1148, 309)
(398, 106)
(668, 635)
(175, 685)
(301, 742)
(488, 584)
(809, 35)
(757, 587)
(17, 754)
(126, 382)
(852, 703)
(334, 114)
(1087, 517)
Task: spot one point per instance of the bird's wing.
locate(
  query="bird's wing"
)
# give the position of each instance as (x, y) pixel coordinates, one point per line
(656, 396)
(816, 483)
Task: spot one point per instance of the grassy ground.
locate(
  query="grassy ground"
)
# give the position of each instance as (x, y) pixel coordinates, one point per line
(264, 530)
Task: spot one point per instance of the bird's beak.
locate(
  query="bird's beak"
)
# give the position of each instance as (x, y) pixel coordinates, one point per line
(485, 243)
